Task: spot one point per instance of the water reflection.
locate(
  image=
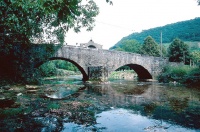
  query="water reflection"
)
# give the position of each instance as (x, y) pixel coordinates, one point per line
(61, 88)
(115, 106)
(130, 121)
(61, 92)
(176, 105)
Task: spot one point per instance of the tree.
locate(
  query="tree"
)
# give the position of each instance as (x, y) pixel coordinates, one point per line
(62, 64)
(29, 19)
(129, 46)
(25, 21)
(179, 51)
(150, 47)
(195, 57)
(48, 69)
(118, 48)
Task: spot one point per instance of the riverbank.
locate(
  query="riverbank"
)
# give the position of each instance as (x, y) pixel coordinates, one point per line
(125, 74)
(58, 73)
(176, 75)
(181, 74)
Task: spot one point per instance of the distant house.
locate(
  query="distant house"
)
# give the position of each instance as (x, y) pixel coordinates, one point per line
(91, 44)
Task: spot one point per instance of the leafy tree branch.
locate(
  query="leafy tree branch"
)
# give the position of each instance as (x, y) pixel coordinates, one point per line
(30, 19)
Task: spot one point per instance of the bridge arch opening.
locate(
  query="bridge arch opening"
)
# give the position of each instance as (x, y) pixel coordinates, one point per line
(85, 76)
(142, 72)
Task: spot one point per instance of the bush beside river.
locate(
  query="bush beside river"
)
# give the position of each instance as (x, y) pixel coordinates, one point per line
(180, 74)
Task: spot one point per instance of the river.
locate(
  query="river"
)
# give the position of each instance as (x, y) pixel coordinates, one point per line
(68, 104)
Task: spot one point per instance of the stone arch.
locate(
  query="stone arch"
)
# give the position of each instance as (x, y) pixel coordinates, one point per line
(92, 46)
(85, 76)
(142, 72)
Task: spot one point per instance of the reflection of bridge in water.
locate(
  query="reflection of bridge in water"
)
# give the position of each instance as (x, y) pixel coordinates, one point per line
(98, 63)
(115, 96)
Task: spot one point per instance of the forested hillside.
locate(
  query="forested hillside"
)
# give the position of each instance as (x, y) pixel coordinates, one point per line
(186, 30)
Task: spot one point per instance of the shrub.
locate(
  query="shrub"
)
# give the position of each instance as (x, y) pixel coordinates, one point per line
(181, 74)
(193, 77)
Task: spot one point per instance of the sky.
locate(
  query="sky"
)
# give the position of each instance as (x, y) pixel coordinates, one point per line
(125, 17)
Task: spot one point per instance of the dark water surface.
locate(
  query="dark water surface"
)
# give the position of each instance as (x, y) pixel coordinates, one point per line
(115, 106)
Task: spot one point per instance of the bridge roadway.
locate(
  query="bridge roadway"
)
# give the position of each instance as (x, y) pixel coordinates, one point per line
(99, 63)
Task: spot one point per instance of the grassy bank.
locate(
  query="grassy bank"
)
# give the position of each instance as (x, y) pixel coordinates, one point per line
(180, 74)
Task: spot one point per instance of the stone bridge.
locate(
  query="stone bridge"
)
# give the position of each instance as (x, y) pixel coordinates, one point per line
(99, 63)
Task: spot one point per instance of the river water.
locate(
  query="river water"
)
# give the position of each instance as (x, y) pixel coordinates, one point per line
(69, 105)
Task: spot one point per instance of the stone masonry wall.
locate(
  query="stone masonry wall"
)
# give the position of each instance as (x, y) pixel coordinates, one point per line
(111, 60)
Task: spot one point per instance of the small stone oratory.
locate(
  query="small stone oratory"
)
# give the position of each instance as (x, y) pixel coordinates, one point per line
(91, 44)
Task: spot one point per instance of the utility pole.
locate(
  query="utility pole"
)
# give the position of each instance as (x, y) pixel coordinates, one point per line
(184, 57)
(161, 43)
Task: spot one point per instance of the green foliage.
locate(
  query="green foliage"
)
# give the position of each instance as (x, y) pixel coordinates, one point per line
(194, 46)
(61, 64)
(181, 74)
(150, 47)
(129, 46)
(135, 47)
(185, 30)
(48, 69)
(179, 51)
(193, 77)
(10, 112)
(53, 106)
(122, 74)
(164, 51)
(171, 74)
(195, 56)
(26, 19)
(57, 67)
